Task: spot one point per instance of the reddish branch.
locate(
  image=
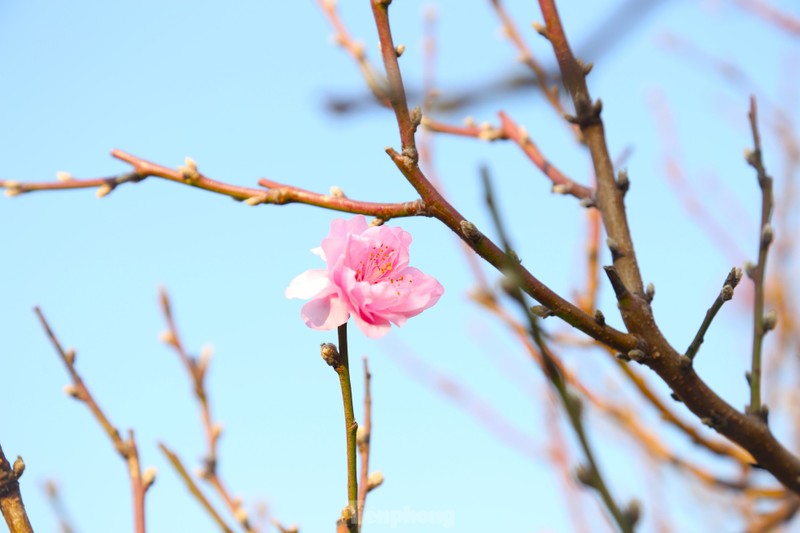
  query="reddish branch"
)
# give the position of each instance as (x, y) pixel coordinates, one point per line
(548, 89)
(126, 448)
(407, 162)
(363, 438)
(771, 14)
(276, 193)
(673, 169)
(197, 369)
(509, 130)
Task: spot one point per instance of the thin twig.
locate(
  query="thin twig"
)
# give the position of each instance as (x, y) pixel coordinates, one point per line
(510, 130)
(549, 90)
(773, 520)
(407, 162)
(338, 359)
(126, 448)
(695, 204)
(771, 14)
(761, 323)
(626, 417)
(276, 193)
(54, 498)
(724, 295)
(176, 463)
(197, 369)
(610, 197)
(356, 50)
(590, 475)
(364, 440)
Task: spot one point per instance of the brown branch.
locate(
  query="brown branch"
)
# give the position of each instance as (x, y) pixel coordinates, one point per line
(367, 481)
(184, 474)
(587, 116)
(407, 163)
(748, 431)
(140, 481)
(356, 50)
(280, 194)
(197, 369)
(549, 89)
(11, 505)
(509, 130)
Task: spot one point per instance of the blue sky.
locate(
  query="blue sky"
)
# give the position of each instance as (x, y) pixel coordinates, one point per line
(242, 89)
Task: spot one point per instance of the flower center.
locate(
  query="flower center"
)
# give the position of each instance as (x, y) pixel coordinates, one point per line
(377, 264)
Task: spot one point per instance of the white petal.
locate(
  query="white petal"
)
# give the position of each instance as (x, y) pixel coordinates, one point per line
(307, 284)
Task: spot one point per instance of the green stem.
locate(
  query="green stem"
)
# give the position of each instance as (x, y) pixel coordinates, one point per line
(758, 273)
(343, 369)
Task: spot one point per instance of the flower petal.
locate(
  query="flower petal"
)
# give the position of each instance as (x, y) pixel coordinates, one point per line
(307, 284)
(367, 276)
(325, 311)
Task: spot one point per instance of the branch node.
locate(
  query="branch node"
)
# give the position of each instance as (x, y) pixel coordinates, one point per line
(586, 68)
(104, 190)
(329, 353)
(72, 392)
(632, 513)
(770, 320)
(374, 480)
(13, 188)
(470, 232)
(336, 192)
(599, 317)
(586, 475)
(411, 155)
(762, 413)
(623, 183)
(541, 29)
(561, 188)
(708, 421)
(149, 477)
(650, 292)
(542, 311)
(767, 234)
(750, 269)
(613, 246)
(416, 117)
(18, 467)
(348, 513)
(637, 355)
(256, 199)
(189, 171)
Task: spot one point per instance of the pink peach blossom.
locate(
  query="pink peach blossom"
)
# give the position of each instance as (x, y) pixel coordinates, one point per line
(368, 278)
